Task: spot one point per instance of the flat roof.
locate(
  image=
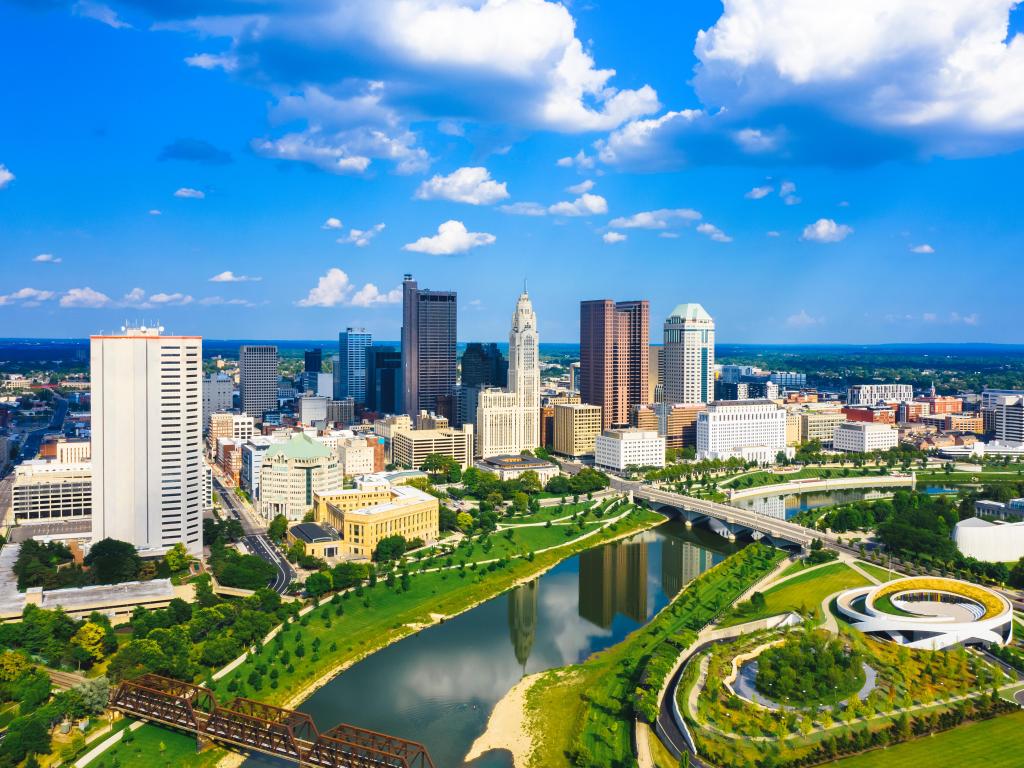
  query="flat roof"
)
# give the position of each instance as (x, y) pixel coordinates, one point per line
(312, 533)
(516, 461)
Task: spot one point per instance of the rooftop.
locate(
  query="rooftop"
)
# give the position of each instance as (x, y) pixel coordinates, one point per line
(301, 446)
(690, 311)
(312, 533)
(516, 461)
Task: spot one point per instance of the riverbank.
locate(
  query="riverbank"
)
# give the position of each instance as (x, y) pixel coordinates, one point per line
(507, 727)
(825, 484)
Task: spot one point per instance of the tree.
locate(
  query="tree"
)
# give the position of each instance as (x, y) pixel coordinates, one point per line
(465, 521)
(111, 561)
(521, 503)
(177, 558)
(90, 638)
(390, 548)
(278, 528)
(529, 481)
(319, 583)
(1016, 577)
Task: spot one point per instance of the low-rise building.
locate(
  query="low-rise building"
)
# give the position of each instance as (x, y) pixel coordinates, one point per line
(410, 447)
(752, 430)
(872, 414)
(990, 542)
(676, 422)
(232, 426)
(356, 455)
(374, 510)
(576, 428)
(47, 491)
(911, 411)
(618, 449)
(253, 451)
(864, 437)
(1009, 510)
(942, 403)
(870, 394)
(820, 426)
(64, 451)
(511, 467)
(317, 540)
(292, 473)
(229, 457)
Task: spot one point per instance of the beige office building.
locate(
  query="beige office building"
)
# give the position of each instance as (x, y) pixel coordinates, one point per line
(293, 472)
(409, 447)
(373, 511)
(231, 426)
(820, 425)
(48, 491)
(576, 429)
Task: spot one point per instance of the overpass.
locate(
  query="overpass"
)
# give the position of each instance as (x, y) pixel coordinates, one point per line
(730, 521)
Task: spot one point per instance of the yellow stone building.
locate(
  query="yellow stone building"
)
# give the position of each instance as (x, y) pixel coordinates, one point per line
(373, 511)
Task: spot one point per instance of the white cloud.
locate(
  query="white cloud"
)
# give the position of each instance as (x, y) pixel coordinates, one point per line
(826, 231)
(613, 237)
(134, 297)
(773, 233)
(803, 320)
(754, 141)
(170, 299)
(791, 200)
(46, 258)
(758, 193)
(922, 248)
(451, 128)
(335, 288)
(472, 185)
(188, 192)
(100, 12)
(659, 219)
(6, 177)
(524, 209)
(333, 222)
(29, 297)
(210, 301)
(84, 298)
(226, 62)
(154, 212)
(706, 228)
(581, 160)
(669, 235)
(578, 189)
(584, 205)
(361, 237)
(787, 191)
(452, 237)
(227, 276)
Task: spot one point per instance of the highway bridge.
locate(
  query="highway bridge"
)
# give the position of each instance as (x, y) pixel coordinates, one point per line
(258, 727)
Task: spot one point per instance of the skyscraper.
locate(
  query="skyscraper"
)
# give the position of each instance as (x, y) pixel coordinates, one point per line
(429, 328)
(614, 357)
(313, 360)
(353, 344)
(384, 379)
(147, 429)
(689, 356)
(257, 379)
(484, 365)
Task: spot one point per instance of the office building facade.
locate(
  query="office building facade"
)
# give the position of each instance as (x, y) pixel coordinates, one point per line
(614, 357)
(353, 346)
(147, 439)
(689, 355)
(257, 379)
(50, 491)
(864, 437)
(618, 449)
(576, 428)
(292, 472)
(752, 430)
(483, 365)
(429, 330)
(870, 394)
(384, 380)
(218, 395)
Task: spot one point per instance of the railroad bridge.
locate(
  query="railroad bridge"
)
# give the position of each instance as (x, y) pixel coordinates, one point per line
(259, 727)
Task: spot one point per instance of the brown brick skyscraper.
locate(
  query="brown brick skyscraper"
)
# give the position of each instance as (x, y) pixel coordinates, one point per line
(614, 352)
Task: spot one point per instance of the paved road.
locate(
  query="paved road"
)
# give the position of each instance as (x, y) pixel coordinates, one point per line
(30, 447)
(255, 536)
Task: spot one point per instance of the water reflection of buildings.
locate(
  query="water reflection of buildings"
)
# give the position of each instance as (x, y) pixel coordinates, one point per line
(522, 619)
(613, 579)
(769, 506)
(785, 506)
(682, 562)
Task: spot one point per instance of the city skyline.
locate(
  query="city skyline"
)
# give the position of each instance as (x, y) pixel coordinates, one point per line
(641, 166)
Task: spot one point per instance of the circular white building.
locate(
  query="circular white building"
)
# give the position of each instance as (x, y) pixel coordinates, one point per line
(998, 542)
(929, 613)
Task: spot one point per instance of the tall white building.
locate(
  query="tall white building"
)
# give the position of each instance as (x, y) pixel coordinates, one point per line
(689, 355)
(218, 395)
(752, 430)
(870, 394)
(864, 437)
(621, 448)
(147, 483)
(257, 379)
(508, 421)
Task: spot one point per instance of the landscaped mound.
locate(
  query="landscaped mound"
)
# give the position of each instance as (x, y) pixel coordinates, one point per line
(810, 669)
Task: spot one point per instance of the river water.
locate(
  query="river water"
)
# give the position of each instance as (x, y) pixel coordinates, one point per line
(783, 506)
(439, 686)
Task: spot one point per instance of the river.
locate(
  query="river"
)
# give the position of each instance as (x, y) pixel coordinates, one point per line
(439, 686)
(784, 506)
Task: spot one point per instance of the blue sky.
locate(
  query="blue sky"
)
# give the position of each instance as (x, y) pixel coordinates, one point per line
(810, 172)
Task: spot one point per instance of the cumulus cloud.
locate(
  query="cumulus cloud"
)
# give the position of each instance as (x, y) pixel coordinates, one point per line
(581, 160)
(584, 205)
(472, 185)
(757, 193)
(196, 151)
(227, 276)
(716, 234)
(84, 298)
(170, 299)
(803, 320)
(613, 237)
(361, 237)
(335, 288)
(787, 191)
(452, 237)
(99, 12)
(333, 222)
(826, 231)
(524, 209)
(135, 297)
(46, 258)
(26, 297)
(188, 192)
(227, 62)
(6, 177)
(663, 218)
(922, 248)
(578, 189)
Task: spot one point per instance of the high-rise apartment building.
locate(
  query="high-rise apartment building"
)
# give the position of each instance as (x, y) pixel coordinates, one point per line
(483, 365)
(429, 329)
(257, 379)
(218, 395)
(147, 439)
(614, 357)
(870, 394)
(384, 380)
(689, 355)
(353, 346)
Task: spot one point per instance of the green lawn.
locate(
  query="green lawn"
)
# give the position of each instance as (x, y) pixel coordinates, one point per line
(799, 565)
(154, 747)
(954, 478)
(760, 478)
(880, 573)
(803, 593)
(992, 743)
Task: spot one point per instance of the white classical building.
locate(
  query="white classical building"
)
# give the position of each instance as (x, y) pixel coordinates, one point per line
(508, 421)
(688, 355)
(870, 394)
(621, 448)
(292, 472)
(752, 430)
(864, 437)
(990, 542)
(147, 456)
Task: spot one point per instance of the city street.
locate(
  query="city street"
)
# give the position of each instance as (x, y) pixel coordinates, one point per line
(30, 447)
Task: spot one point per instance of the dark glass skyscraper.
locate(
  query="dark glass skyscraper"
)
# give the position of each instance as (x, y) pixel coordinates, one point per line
(313, 360)
(384, 379)
(429, 328)
(484, 365)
